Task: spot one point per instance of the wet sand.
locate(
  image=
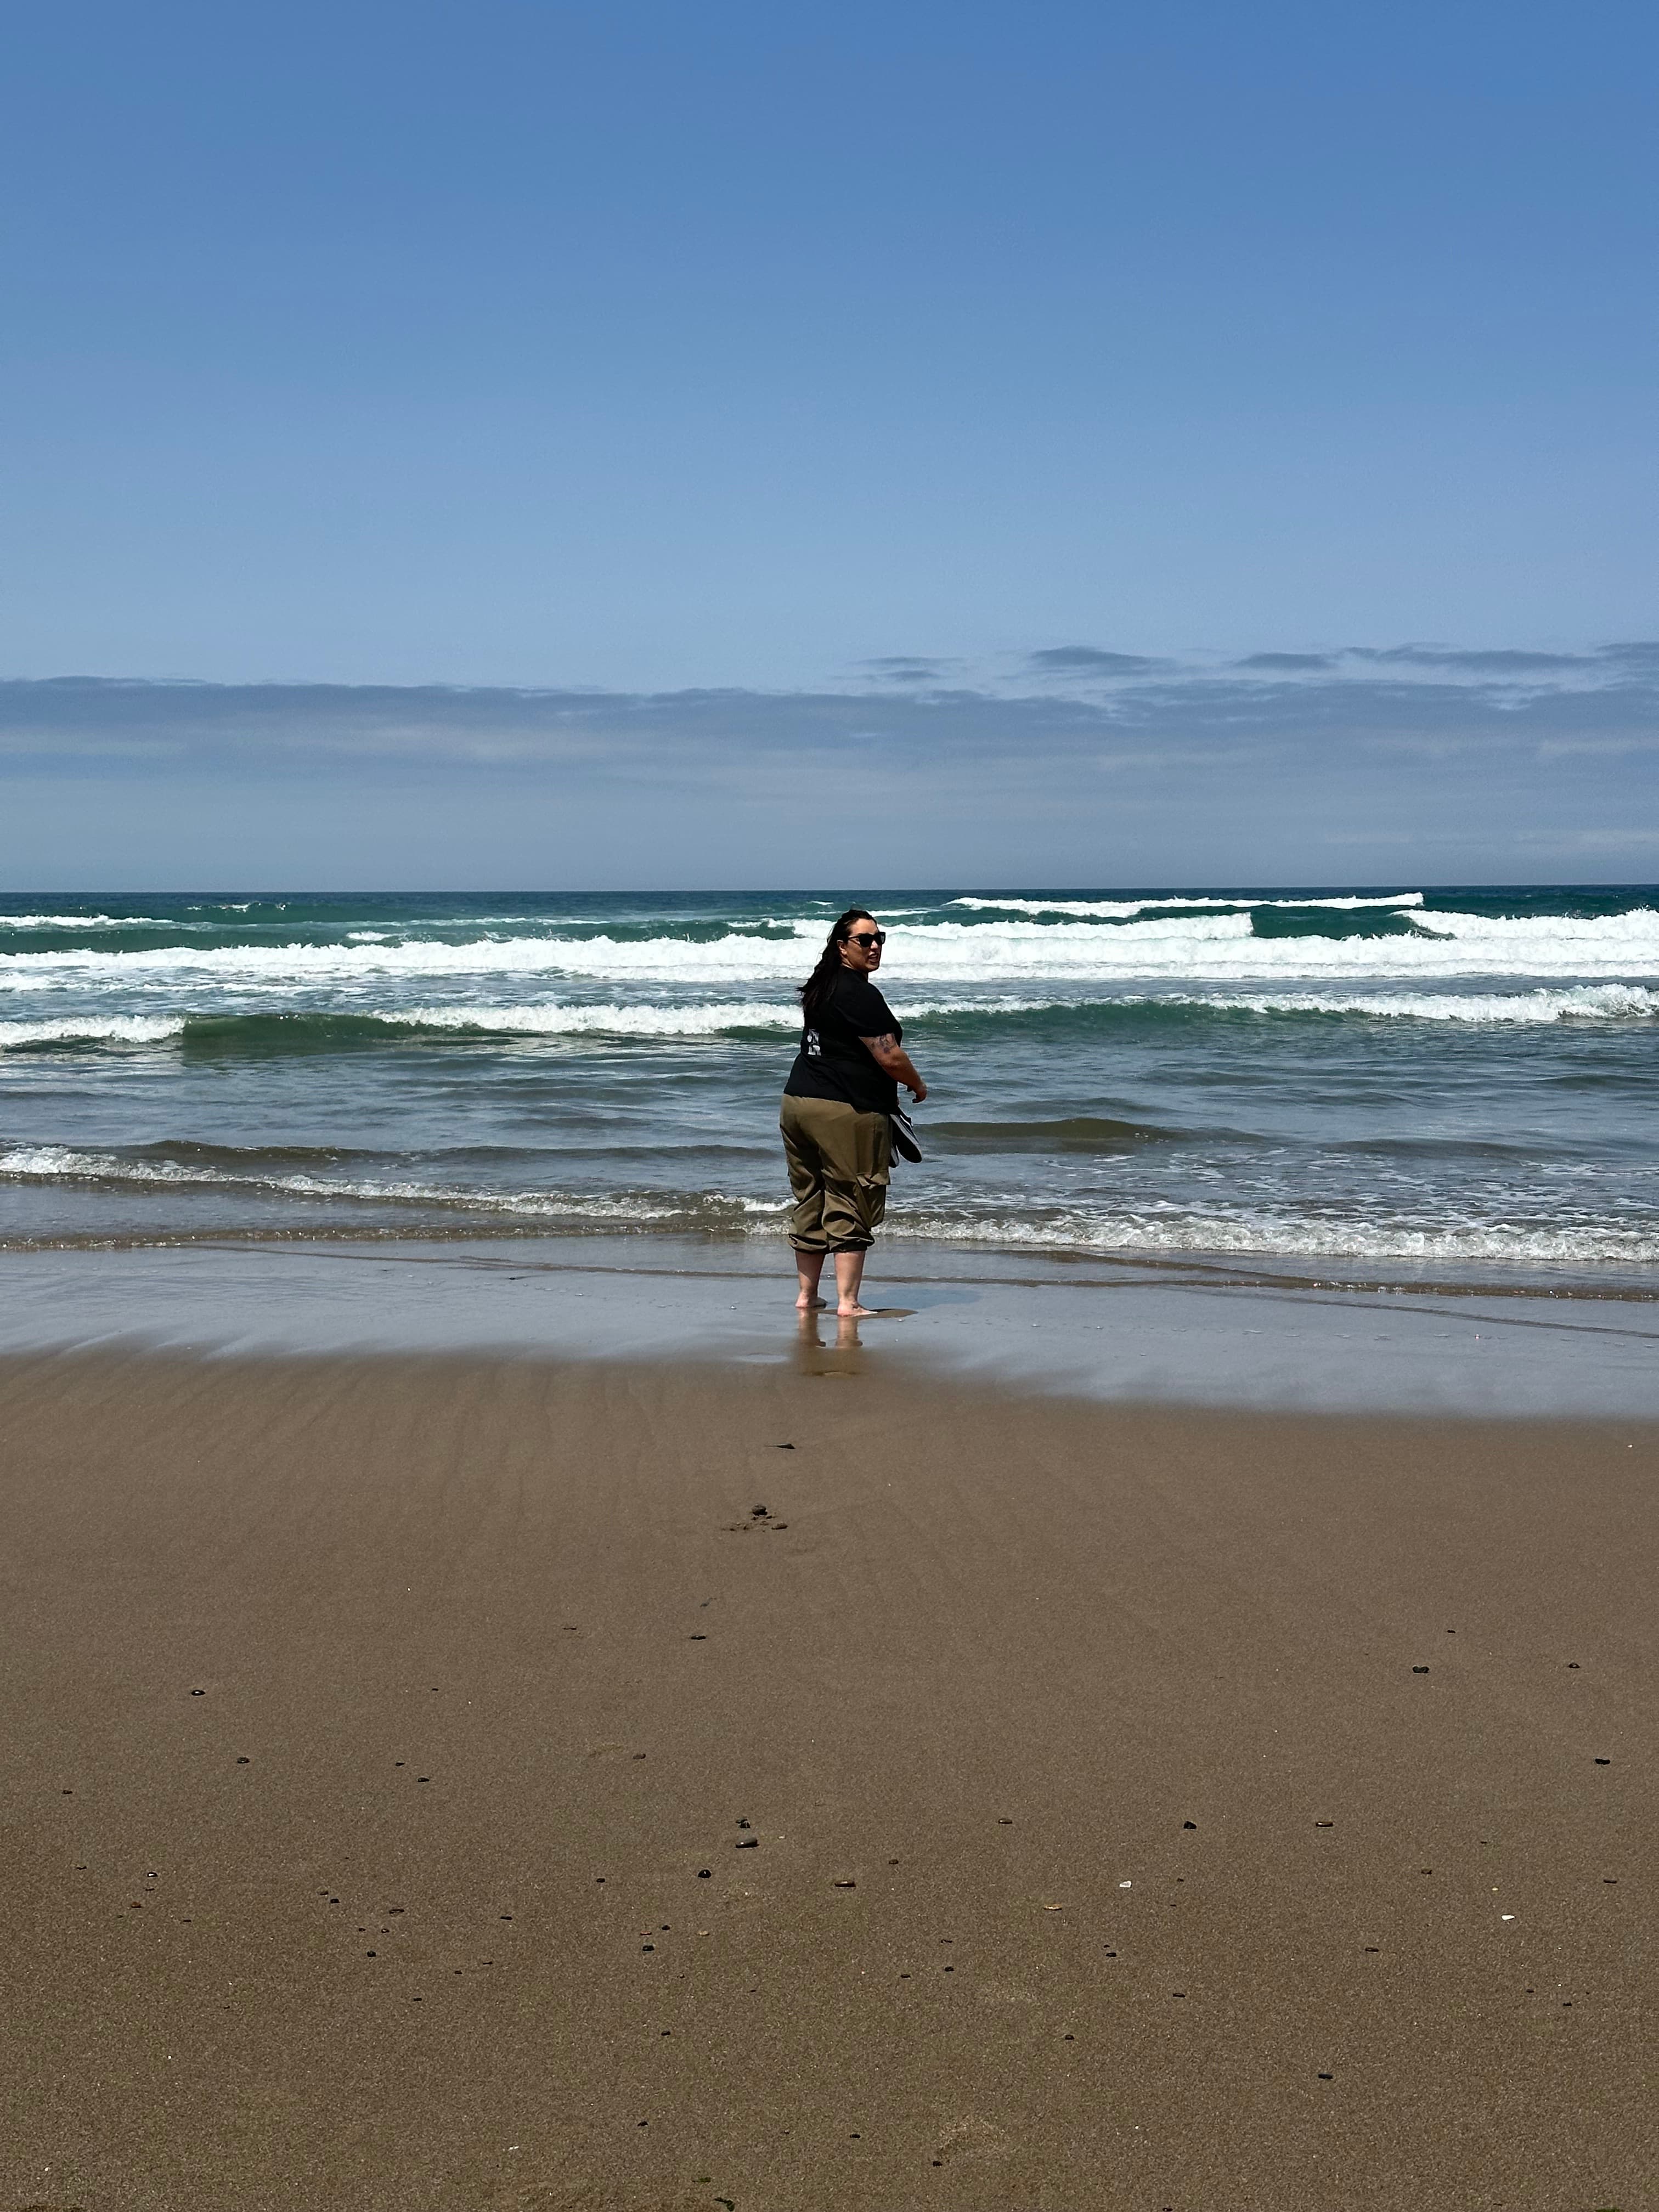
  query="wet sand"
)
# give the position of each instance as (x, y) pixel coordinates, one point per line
(471, 1782)
(1196, 1332)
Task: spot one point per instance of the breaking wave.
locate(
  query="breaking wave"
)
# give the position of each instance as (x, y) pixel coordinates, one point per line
(1120, 909)
(1259, 1233)
(1211, 947)
(87, 921)
(302, 1029)
(1377, 1075)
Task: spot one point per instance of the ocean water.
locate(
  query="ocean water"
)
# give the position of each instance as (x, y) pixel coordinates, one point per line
(1455, 1082)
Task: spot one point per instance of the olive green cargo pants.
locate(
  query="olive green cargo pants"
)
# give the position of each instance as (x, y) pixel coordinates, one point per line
(839, 1161)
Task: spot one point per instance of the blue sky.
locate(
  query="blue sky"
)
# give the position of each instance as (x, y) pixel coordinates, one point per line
(651, 351)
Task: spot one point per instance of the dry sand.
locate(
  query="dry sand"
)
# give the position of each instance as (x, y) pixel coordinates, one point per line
(438, 1784)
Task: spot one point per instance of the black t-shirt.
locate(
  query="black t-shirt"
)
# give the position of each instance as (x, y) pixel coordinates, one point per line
(833, 1062)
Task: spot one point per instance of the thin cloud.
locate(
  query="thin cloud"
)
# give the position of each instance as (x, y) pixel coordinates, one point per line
(1189, 772)
(272, 726)
(1607, 841)
(1478, 663)
(1088, 660)
(896, 669)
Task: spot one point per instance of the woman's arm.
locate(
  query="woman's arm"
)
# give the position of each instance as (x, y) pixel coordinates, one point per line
(891, 1058)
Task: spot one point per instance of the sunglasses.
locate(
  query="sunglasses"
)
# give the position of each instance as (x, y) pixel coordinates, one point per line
(870, 937)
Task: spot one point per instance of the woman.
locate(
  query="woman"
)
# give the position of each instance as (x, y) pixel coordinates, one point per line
(838, 1106)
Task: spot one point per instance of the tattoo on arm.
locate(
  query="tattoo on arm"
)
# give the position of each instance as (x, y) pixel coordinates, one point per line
(882, 1046)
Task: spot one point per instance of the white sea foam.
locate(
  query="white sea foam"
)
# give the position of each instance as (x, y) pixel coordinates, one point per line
(1586, 1002)
(51, 1163)
(90, 921)
(1606, 1002)
(31, 1162)
(1212, 947)
(652, 1020)
(599, 1021)
(1264, 1235)
(1595, 1002)
(1112, 909)
(93, 1029)
(1258, 1234)
(530, 1021)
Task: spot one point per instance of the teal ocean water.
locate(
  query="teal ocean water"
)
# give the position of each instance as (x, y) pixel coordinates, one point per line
(1445, 1081)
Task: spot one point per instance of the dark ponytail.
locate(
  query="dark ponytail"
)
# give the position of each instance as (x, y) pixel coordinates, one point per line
(829, 962)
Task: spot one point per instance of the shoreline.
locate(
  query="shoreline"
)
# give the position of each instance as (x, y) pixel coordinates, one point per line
(1134, 1798)
(1079, 1328)
(1575, 1281)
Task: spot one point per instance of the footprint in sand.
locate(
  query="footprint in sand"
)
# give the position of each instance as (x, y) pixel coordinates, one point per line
(970, 2137)
(759, 1518)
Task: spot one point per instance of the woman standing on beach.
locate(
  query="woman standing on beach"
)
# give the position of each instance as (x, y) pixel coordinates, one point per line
(838, 1105)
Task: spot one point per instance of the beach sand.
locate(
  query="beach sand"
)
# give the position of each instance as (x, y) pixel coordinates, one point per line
(438, 1783)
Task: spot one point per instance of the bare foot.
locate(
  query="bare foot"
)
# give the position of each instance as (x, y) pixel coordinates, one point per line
(803, 1304)
(855, 1312)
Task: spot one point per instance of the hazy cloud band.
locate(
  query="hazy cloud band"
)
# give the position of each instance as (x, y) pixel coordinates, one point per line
(1075, 765)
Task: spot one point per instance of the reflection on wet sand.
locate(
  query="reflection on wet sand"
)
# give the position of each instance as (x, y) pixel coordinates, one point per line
(843, 1354)
(1173, 1338)
(840, 1354)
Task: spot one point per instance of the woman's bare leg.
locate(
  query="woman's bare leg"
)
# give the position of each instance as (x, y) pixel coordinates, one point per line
(849, 1273)
(809, 1265)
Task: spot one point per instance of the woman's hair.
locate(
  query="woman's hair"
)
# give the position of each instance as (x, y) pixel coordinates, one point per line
(812, 990)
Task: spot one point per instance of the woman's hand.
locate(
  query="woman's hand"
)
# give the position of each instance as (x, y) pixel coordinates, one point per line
(918, 1089)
